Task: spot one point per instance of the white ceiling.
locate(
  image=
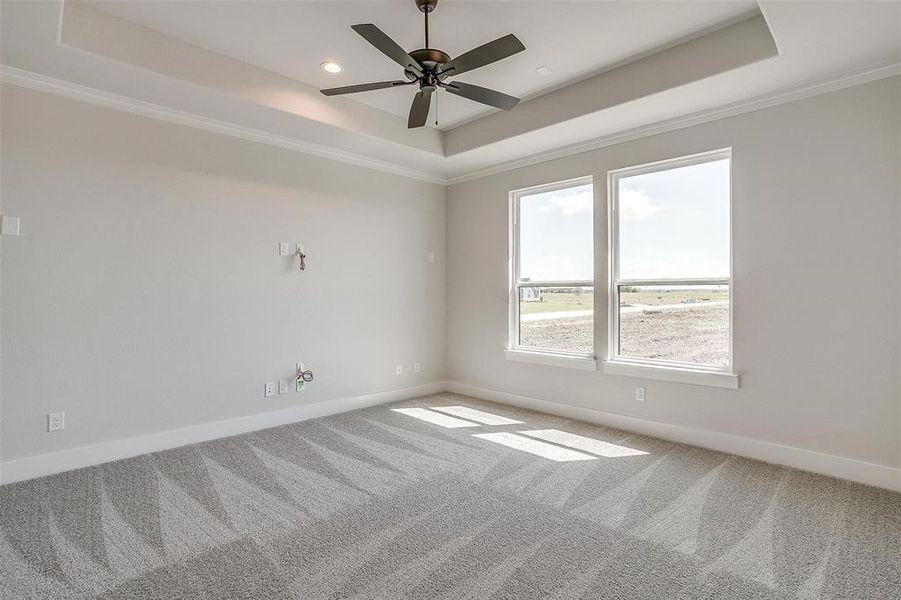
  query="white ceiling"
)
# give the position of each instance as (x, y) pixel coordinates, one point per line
(251, 68)
(573, 39)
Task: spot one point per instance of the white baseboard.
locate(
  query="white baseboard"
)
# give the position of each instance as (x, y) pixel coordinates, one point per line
(826, 464)
(873, 474)
(75, 458)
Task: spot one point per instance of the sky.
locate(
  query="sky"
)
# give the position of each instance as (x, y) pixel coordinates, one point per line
(555, 235)
(673, 224)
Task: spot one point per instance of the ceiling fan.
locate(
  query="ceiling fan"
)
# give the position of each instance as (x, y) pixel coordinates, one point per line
(430, 68)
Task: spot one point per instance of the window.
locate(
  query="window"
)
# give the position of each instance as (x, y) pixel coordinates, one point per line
(670, 264)
(552, 265)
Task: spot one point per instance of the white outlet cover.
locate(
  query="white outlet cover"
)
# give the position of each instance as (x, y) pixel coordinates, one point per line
(399, 370)
(639, 393)
(56, 421)
(269, 389)
(417, 367)
(431, 257)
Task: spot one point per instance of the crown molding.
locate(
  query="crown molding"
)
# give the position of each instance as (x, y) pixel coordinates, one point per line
(43, 83)
(75, 91)
(843, 80)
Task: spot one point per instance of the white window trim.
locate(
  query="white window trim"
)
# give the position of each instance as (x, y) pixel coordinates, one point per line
(553, 359)
(679, 372)
(558, 358)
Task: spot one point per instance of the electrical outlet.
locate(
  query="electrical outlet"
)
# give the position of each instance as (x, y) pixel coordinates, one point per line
(56, 421)
(399, 370)
(639, 393)
(417, 367)
(283, 386)
(431, 257)
(269, 390)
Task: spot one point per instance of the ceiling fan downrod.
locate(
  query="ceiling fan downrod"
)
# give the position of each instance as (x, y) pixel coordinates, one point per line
(426, 6)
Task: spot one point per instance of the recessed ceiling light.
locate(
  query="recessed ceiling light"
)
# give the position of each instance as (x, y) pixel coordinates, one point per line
(543, 71)
(331, 67)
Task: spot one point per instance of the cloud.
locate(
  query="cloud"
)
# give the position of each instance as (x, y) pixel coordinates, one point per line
(571, 202)
(636, 205)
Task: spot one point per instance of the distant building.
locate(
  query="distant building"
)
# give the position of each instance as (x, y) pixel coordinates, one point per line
(530, 294)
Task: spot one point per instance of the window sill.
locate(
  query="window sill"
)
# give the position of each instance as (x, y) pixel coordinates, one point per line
(585, 363)
(720, 379)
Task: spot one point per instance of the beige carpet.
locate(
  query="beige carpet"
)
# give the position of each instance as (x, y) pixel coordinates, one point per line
(422, 503)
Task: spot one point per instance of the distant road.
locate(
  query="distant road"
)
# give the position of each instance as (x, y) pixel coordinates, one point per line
(573, 314)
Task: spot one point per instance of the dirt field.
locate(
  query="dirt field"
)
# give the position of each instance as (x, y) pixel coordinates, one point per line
(569, 334)
(697, 335)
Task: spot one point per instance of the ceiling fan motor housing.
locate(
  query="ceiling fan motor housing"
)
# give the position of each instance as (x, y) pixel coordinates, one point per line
(430, 59)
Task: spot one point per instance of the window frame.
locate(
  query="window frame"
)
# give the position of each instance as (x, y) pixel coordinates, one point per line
(550, 356)
(721, 376)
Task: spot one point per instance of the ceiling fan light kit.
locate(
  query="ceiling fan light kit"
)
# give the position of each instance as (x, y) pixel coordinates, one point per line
(430, 68)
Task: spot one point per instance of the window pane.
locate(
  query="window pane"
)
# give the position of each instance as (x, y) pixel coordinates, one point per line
(556, 235)
(559, 319)
(674, 224)
(687, 324)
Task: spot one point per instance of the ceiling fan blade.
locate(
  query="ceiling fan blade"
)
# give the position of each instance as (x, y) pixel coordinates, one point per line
(484, 55)
(387, 46)
(364, 87)
(480, 94)
(419, 110)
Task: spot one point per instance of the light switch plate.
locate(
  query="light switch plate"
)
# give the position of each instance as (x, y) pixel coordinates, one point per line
(283, 386)
(639, 393)
(431, 257)
(284, 249)
(9, 225)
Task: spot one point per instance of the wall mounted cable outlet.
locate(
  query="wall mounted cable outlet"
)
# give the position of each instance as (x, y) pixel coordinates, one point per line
(56, 421)
(639, 393)
(269, 389)
(399, 370)
(299, 383)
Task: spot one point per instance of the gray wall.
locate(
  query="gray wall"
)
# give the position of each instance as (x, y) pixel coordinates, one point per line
(816, 267)
(146, 293)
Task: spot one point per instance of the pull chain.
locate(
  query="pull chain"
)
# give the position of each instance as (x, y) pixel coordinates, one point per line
(436, 108)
